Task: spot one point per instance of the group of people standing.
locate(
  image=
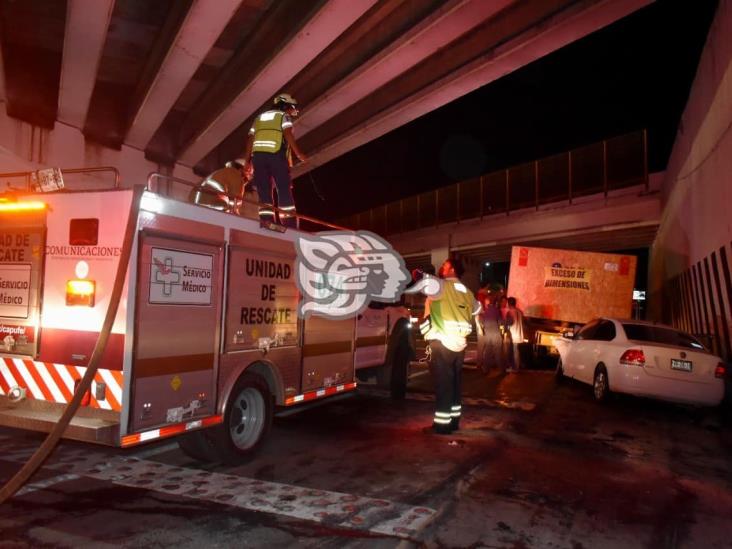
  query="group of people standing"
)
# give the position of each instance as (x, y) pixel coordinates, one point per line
(500, 332)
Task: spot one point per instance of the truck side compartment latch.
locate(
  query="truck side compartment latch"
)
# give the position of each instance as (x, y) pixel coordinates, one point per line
(265, 343)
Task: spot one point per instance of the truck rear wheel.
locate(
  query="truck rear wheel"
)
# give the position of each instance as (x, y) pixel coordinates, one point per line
(198, 445)
(247, 420)
(392, 374)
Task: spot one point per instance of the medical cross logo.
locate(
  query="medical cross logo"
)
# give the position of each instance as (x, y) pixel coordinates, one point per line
(165, 275)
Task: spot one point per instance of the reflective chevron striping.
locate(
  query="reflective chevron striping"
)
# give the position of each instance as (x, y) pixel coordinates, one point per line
(49, 382)
(33, 382)
(170, 430)
(55, 382)
(320, 393)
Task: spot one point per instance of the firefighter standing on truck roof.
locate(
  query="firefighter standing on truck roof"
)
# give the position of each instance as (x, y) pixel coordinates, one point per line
(448, 321)
(269, 148)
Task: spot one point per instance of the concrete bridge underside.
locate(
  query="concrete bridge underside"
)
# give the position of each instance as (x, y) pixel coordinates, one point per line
(174, 85)
(626, 219)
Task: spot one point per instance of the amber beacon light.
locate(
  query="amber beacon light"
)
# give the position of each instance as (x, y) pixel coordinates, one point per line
(10, 206)
(80, 293)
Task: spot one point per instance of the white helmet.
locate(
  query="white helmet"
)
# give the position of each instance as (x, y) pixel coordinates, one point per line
(285, 99)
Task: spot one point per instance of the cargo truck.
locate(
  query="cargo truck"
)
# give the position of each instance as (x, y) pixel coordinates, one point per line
(557, 290)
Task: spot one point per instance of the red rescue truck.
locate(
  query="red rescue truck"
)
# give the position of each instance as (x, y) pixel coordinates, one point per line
(206, 345)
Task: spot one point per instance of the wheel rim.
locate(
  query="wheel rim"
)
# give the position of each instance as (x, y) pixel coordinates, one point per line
(247, 418)
(599, 385)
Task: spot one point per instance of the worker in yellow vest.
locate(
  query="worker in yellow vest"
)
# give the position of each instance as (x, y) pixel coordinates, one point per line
(269, 148)
(448, 322)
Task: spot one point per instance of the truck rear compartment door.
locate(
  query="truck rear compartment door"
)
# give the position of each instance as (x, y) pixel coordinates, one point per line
(327, 352)
(22, 243)
(177, 331)
(371, 336)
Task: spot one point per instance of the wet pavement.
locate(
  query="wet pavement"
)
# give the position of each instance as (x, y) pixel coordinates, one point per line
(535, 464)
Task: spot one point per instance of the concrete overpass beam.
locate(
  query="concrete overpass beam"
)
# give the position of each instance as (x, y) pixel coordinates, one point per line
(86, 30)
(424, 39)
(565, 226)
(24, 147)
(202, 26)
(315, 35)
(569, 24)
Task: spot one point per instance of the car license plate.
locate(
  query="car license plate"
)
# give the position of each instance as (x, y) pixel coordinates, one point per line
(683, 365)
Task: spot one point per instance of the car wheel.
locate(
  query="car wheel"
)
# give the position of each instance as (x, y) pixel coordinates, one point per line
(198, 446)
(600, 387)
(559, 371)
(247, 420)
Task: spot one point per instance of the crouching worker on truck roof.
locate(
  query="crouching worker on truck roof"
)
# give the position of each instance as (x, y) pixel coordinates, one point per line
(228, 190)
(269, 147)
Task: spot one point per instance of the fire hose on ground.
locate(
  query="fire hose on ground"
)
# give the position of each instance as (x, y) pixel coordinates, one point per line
(45, 449)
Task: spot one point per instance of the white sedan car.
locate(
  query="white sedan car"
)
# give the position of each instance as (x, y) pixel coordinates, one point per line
(643, 359)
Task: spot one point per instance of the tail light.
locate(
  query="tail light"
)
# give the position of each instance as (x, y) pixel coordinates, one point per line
(720, 370)
(633, 357)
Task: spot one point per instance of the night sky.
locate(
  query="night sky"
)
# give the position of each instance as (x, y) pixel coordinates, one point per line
(634, 74)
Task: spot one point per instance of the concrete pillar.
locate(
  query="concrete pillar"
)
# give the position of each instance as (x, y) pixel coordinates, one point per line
(692, 249)
(438, 257)
(471, 277)
(24, 147)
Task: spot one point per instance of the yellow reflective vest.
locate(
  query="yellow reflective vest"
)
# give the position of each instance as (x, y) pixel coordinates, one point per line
(451, 315)
(268, 131)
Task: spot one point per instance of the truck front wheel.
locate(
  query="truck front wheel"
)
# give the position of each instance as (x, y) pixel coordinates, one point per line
(247, 420)
(198, 445)
(400, 367)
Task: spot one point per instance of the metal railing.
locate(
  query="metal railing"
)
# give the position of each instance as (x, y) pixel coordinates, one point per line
(27, 176)
(601, 167)
(304, 222)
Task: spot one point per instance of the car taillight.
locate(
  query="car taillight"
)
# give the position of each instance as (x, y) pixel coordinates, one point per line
(633, 357)
(720, 370)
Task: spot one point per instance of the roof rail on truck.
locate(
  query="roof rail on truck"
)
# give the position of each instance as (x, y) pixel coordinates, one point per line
(156, 177)
(28, 176)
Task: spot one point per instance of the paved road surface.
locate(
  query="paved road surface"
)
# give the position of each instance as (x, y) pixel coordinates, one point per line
(536, 465)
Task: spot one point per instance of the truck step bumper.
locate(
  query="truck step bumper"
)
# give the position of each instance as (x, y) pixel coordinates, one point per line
(88, 425)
